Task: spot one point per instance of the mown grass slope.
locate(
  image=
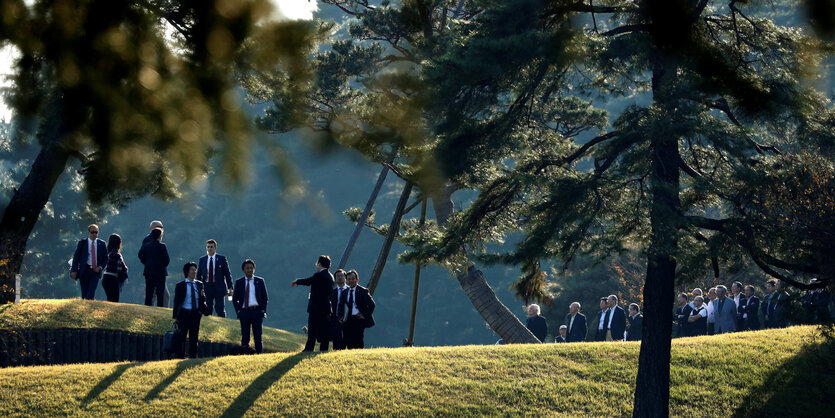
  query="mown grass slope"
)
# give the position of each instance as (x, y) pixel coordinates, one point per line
(785, 372)
(140, 319)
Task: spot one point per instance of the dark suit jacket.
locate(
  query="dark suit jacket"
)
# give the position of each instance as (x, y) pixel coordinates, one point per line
(335, 300)
(538, 326)
(180, 297)
(560, 339)
(223, 278)
(240, 291)
(154, 255)
(365, 304)
(768, 309)
(618, 323)
(578, 330)
(319, 300)
(750, 308)
(79, 258)
(781, 310)
(636, 328)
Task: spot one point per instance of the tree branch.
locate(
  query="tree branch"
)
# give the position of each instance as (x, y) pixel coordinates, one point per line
(627, 29)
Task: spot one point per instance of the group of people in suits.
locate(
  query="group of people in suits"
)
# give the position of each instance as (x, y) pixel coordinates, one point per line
(613, 323)
(339, 309)
(742, 309)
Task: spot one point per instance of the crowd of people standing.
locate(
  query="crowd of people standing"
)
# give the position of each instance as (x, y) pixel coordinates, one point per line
(696, 314)
(339, 309)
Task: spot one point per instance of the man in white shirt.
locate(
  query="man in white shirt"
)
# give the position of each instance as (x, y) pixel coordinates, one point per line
(736, 291)
(338, 295)
(601, 323)
(88, 261)
(711, 295)
(250, 301)
(189, 305)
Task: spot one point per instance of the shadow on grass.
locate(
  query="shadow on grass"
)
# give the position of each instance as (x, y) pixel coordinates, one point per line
(106, 382)
(801, 386)
(244, 401)
(181, 367)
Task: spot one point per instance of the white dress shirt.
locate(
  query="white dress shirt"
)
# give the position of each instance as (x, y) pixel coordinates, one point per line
(190, 288)
(600, 324)
(253, 302)
(90, 246)
(710, 318)
(352, 292)
(210, 259)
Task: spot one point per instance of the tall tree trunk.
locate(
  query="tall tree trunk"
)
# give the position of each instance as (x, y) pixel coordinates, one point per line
(23, 210)
(501, 320)
(410, 340)
(365, 214)
(394, 229)
(652, 386)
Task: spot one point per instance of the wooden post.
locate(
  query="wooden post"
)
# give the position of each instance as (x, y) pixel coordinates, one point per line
(93, 338)
(78, 346)
(4, 349)
(410, 341)
(394, 229)
(133, 353)
(365, 214)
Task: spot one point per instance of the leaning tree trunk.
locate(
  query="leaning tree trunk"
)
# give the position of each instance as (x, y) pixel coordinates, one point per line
(365, 214)
(394, 229)
(652, 386)
(23, 210)
(501, 320)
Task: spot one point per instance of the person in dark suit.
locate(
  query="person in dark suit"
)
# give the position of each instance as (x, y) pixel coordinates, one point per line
(818, 304)
(116, 272)
(561, 337)
(359, 310)
(575, 324)
(154, 255)
(166, 296)
(250, 302)
(600, 335)
(769, 302)
(337, 296)
(636, 323)
(749, 307)
(681, 316)
(318, 304)
(88, 261)
(782, 306)
(189, 305)
(615, 320)
(213, 271)
(536, 323)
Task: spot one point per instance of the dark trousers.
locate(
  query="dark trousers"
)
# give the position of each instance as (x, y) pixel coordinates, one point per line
(111, 286)
(251, 319)
(354, 332)
(711, 329)
(318, 329)
(189, 324)
(216, 297)
(89, 281)
(155, 286)
(337, 335)
(600, 335)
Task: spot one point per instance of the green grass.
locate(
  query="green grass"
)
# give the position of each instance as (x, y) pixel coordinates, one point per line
(767, 373)
(140, 319)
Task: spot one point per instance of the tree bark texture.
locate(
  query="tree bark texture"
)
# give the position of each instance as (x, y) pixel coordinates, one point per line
(23, 211)
(394, 229)
(652, 386)
(501, 320)
(410, 340)
(365, 214)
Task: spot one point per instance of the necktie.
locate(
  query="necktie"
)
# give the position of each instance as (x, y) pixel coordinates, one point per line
(193, 296)
(246, 295)
(606, 319)
(211, 270)
(340, 304)
(350, 302)
(93, 255)
(571, 323)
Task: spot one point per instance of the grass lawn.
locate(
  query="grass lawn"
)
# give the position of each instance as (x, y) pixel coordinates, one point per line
(140, 319)
(786, 372)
